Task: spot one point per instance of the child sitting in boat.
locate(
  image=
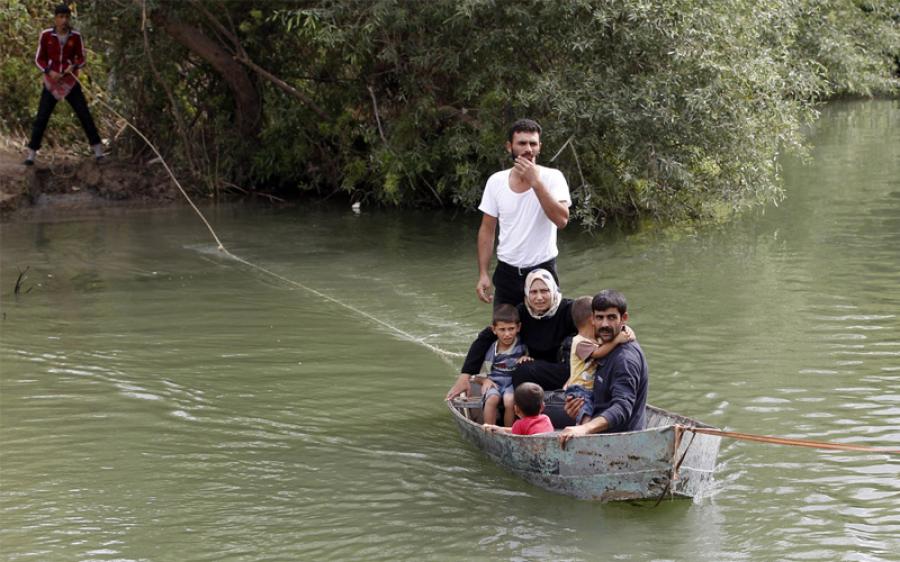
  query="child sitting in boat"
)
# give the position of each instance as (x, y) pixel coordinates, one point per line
(585, 354)
(529, 407)
(499, 364)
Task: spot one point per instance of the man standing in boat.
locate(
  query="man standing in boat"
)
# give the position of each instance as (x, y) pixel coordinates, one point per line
(60, 55)
(530, 203)
(621, 381)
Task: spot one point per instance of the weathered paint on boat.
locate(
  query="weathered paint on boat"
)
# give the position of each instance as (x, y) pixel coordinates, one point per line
(606, 467)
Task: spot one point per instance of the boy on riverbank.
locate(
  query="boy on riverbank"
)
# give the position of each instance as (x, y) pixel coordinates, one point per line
(499, 362)
(585, 354)
(529, 408)
(60, 56)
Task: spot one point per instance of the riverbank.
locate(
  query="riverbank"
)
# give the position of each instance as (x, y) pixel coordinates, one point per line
(63, 181)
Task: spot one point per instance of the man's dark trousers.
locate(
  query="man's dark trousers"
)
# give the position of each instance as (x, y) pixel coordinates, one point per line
(45, 109)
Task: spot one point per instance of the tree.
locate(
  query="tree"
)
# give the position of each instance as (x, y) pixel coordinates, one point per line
(654, 109)
(248, 105)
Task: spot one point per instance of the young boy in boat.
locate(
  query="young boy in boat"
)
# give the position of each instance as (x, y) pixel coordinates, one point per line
(529, 408)
(499, 362)
(585, 354)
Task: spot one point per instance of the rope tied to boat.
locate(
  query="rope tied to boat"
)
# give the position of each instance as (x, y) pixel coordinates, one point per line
(775, 440)
(679, 433)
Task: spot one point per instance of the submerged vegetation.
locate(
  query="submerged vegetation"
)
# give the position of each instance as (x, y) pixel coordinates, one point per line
(653, 109)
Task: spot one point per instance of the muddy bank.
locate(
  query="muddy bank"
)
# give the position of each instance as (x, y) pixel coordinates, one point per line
(62, 182)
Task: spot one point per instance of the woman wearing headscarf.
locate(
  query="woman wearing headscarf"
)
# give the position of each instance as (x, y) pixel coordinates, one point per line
(546, 321)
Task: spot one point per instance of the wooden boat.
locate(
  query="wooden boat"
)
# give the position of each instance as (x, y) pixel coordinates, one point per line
(666, 459)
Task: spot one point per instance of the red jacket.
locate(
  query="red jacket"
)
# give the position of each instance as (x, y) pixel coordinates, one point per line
(53, 56)
(59, 58)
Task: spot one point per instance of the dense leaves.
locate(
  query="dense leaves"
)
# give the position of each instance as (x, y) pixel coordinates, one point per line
(657, 109)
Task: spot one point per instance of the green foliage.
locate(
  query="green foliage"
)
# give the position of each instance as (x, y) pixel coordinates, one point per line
(671, 108)
(658, 109)
(18, 25)
(856, 43)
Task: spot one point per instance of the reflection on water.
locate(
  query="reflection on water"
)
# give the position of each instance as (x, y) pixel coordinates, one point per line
(160, 402)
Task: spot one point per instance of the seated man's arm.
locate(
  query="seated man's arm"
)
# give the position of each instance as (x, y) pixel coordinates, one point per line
(596, 425)
(623, 392)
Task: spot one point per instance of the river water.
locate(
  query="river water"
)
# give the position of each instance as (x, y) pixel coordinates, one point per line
(161, 402)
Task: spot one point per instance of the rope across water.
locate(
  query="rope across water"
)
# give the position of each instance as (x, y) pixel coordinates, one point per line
(774, 440)
(443, 353)
(447, 356)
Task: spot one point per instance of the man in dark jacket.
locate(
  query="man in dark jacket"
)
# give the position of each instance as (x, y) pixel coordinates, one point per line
(60, 55)
(621, 380)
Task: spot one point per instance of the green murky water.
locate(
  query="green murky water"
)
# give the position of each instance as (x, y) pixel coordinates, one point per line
(159, 402)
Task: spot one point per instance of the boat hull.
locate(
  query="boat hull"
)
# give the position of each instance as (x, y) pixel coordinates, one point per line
(662, 460)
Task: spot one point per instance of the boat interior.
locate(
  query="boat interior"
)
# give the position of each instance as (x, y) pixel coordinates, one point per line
(470, 407)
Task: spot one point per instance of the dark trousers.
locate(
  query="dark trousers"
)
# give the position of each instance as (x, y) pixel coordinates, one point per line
(45, 109)
(509, 281)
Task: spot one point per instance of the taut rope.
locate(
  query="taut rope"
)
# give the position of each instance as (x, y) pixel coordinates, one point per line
(774, 440)
(444, 354)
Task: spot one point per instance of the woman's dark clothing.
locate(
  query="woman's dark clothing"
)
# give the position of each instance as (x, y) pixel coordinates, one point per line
(547, 375)
(543, 337)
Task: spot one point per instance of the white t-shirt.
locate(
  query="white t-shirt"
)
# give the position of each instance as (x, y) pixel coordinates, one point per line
(527, 236)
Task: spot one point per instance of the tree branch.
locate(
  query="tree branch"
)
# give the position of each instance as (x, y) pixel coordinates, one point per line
(248, 103)
(377, 116)
(179, 120)
(282, 85)
(238, 48)
(461, 114)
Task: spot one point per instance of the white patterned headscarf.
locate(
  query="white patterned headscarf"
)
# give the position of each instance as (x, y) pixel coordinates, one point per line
(555, 295)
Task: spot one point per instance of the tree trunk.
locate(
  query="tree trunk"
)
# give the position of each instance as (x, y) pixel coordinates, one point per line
(248, 104)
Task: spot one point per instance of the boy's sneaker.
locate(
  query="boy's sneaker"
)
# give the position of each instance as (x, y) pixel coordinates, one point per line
(29, 158)
(98, 152)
